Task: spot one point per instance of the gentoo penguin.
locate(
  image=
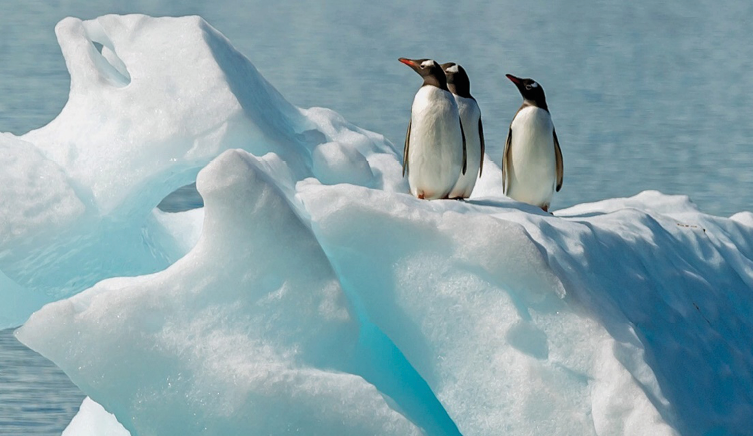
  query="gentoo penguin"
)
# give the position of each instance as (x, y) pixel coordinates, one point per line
(532, 162)
(434, 154)
(470, 117)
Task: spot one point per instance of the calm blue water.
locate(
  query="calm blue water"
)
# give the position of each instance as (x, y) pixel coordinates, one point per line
(644, 94)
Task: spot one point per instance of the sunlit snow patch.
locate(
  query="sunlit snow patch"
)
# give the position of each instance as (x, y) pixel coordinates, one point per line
(93, 420)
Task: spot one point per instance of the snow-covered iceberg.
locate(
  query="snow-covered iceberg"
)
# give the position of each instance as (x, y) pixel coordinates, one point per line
(152, 101)
(313, 295)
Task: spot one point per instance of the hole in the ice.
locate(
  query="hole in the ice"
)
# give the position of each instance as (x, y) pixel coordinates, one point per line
(110, 65)
(182, 199)
(106, 59)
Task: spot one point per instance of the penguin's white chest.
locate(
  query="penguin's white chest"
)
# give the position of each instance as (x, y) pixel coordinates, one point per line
(435, 154)
(470, 114)
(532, 164)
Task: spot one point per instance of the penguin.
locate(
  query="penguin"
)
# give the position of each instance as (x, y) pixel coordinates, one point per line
(470, 116)
(434, 155)
(532, 163)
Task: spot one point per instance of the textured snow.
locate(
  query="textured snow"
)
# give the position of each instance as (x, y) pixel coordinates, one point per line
(36, 193)
(313, 294)
(93, 420)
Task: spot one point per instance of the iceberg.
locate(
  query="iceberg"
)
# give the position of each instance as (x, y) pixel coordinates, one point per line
(79, 193)
(312, 294)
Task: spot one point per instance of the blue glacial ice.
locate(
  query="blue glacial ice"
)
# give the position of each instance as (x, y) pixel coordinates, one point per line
(311, 294)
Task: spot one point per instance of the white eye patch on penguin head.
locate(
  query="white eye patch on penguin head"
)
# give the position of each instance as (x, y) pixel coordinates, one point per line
(428, 63)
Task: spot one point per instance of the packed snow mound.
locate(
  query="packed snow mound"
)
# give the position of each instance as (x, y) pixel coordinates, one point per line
(134, 104)
(313, 294)
(248, 332)
(472, 303)
(152, 101)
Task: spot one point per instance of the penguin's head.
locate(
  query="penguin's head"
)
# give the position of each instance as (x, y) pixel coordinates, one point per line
(429, 69)
(457, 79)
(530, 90)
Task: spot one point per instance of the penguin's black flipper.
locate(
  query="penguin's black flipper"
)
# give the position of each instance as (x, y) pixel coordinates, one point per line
(558, 160)
(465, 152)
(481, 138)
(405, 150)
(506, 159)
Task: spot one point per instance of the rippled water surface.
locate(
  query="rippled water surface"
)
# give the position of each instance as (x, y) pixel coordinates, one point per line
(36, 398)
(644, 95)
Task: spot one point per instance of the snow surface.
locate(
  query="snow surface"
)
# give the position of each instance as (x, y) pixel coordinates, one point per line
(93, 420)
(313, 294)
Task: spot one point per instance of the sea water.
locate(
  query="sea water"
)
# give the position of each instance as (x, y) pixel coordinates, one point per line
(643, 95)
(35, 396)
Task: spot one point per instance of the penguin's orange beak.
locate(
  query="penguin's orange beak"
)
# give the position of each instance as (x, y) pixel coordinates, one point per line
(408, 62)
(513, 79)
